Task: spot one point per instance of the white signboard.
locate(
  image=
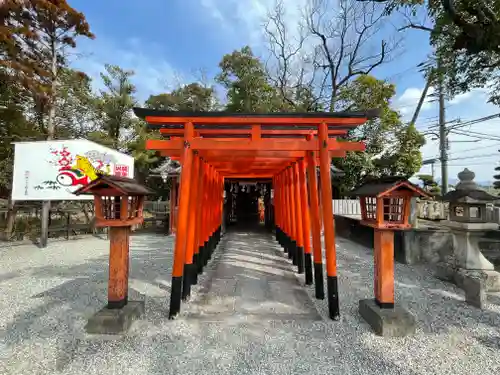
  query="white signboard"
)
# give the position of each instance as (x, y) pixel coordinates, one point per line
(53, 170)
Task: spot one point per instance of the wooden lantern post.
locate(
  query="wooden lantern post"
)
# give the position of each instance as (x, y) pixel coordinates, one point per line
(385, 206)
(119, 203)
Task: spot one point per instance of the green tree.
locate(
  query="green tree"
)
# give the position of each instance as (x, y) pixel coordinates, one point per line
(247, 84)
(115, 105)
(496, 183)
(464, 35)
(13, 127)
(35, 41)
(192, 97)
(392, 148)
(76, 112)
(429, 184)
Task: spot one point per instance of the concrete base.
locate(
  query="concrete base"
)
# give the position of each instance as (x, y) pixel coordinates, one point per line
(396, 322)
(115, 321)
(457, 276)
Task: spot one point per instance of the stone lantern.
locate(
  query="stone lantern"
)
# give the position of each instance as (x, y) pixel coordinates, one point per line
(467, 267)
(119, 203)
(385, 206)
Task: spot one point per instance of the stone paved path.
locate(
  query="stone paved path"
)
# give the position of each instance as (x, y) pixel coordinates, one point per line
(252, 279)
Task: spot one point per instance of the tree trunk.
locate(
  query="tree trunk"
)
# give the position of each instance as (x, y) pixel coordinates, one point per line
(11, 218)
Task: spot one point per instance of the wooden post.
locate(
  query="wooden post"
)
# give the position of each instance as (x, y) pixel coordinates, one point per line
(118, 267)
(384, 268)
(173, 203)
(298, 219)
(306, 227)
(182, 225)
(210, 210)
(315, 226)
(189, 270)
(329, 224)
(198, 251)
(205, 224)
(292, 245)
(277, 208)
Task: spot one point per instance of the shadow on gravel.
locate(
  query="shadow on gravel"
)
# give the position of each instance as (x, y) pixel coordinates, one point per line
(71, 303)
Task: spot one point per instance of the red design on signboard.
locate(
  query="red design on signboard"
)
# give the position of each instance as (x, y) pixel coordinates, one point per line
(121, 170)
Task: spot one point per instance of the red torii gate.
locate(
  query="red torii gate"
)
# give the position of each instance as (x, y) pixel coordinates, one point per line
(212, 146)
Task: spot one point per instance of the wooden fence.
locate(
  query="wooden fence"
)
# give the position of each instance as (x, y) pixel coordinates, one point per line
(68, 219)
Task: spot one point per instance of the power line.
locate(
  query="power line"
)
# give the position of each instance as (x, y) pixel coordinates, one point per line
(482, 156)
(465, 165)
(475, 132)
(475, 148)
(471, 134)
(473, 122)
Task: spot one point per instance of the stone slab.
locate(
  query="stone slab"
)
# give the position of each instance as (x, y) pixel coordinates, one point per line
(115, 321)
(475, 292)
(396, 322)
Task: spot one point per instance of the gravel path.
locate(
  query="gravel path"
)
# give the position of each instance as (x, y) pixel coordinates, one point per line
(248, 316)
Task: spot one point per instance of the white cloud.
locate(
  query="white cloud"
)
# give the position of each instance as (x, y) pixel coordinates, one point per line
(152, 75)
(408, 101)
(243, 20)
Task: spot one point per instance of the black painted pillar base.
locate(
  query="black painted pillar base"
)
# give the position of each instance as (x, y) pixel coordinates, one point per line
(207, 253)
(286, 242)
(201, 259)
(384, 305)
(300, 259)
(175, 297)
(277, 234)
(210, 246)
(194, 274)
(333, 297)
(293, 254)
(319, 286)
(187, 281)
(113, 305)
(290, 248)
(308, 268)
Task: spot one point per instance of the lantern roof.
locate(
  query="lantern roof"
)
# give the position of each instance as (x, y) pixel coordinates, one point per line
(468, 191)
(121, 185)
(379, 187)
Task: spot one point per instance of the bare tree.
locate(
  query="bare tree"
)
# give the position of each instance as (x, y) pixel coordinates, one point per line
(335, 42)
(292, 64)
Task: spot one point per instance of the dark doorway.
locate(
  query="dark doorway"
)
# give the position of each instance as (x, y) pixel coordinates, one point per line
(247, 204)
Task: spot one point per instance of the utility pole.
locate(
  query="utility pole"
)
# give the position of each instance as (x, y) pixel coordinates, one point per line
(443, 142)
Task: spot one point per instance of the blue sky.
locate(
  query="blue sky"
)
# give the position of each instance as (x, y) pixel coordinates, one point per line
(168, 42)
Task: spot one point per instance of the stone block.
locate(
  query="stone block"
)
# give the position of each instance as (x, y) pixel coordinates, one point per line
(475, 291)
(115, 321)
(492, 281)
(396, 322)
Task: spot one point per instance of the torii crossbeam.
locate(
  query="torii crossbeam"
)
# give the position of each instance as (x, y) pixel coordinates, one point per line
(282, 147)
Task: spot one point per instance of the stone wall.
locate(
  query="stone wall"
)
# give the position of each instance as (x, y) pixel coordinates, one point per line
(423, 245)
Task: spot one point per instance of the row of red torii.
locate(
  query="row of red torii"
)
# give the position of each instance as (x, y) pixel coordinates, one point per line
(284, 148)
